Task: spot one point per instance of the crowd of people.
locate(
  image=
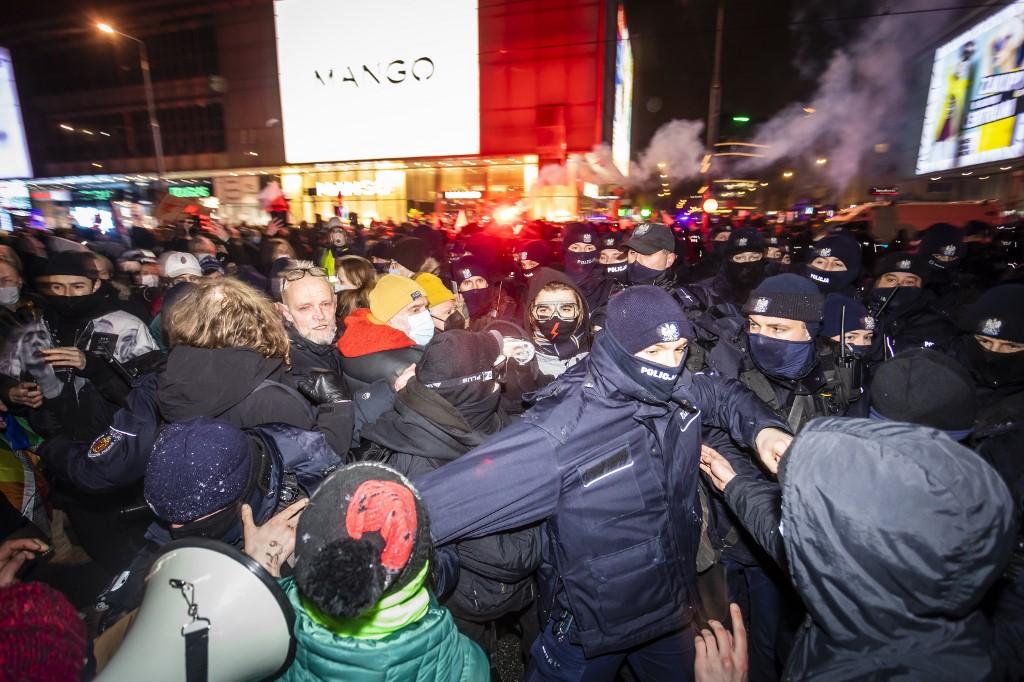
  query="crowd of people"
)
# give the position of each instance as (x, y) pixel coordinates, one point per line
(642, 452)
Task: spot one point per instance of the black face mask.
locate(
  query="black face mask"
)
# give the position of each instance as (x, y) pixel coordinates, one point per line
(617, 271)
(898, 297)
(557, 329)
(657, 381)
(579, 265)
(639, 274)
(477, 301)
(781, 358)
(224, 525)
(994, 369)
(830, 281)
(76, 307)
(454, 321)
(744, 276)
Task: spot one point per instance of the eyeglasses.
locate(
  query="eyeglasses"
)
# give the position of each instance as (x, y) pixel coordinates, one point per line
(294, 274)
(563, 310)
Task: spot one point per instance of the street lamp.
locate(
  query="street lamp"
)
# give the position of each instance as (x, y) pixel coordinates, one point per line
(154, 125)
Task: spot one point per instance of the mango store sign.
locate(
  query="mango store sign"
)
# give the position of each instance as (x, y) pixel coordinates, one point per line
(356, 188)
(346, 94)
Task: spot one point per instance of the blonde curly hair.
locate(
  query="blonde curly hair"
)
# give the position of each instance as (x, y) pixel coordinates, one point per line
(227, 313)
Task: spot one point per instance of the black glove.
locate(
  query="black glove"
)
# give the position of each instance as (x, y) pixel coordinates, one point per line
(323, 387)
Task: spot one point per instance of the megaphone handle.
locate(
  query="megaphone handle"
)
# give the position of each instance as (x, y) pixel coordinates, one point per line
(197, 650)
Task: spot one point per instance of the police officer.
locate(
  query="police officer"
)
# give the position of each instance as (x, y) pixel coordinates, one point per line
(608, 459)
(778, 356)
(906, 311)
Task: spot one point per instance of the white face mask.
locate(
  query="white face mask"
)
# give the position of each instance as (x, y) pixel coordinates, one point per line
(9, 295)
(150, 280)
(421, 327)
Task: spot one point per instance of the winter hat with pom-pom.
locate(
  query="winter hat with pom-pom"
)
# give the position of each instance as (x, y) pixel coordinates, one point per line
(362, 549)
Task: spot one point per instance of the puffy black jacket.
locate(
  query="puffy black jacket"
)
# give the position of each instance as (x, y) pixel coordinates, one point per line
(243, 388)
(894, 533)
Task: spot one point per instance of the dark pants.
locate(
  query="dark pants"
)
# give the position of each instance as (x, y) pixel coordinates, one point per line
(555, 658)
(761, 601)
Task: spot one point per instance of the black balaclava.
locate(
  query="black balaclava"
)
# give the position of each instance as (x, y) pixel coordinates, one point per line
(579, 265)
(639, 317)
(846, 249)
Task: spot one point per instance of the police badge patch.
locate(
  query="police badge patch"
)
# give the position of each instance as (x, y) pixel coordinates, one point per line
(587, 238)
(991, 327)
(669, 332)
(903, 265)
(641, 230)
(761, 305)
(824, 253)
(742, 241)
(869, 323)
(105, 442)
(466, 273)
(949, 250)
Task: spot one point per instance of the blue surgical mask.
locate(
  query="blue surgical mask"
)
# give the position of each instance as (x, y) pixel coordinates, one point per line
(639, 274)
(782, 358)
(421, 327)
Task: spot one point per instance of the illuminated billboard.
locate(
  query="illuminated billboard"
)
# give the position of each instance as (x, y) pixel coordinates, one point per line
(14, 158)
(973, 113)
(378, 79)
(623, 114)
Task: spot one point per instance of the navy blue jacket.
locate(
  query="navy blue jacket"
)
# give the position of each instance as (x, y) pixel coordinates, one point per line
(613, 473)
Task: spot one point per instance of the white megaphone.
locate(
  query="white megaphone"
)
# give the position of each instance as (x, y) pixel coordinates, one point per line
(210, 614)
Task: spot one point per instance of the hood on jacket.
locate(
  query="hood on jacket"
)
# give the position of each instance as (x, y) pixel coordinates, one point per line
(363, 337)
(894, 533)
(432, 648)
(424, 424)
(208, 382)
(544, 277)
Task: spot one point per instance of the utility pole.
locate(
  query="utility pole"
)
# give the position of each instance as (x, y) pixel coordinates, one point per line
(714, 112)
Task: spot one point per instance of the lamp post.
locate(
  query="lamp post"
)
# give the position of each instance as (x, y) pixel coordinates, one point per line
(154, 124)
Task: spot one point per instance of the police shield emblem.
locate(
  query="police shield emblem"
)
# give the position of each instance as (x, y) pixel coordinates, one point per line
(668, 332)
(991, 327)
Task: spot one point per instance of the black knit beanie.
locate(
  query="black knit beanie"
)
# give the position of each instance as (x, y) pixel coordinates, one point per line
(642, 316)
(998, 313)
(790, 297)
(901, 261)
(71, 264)
(924, 386)
(841, 246)
(411, 253)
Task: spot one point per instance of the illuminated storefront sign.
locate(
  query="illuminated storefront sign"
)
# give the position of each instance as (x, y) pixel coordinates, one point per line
(463, 194)
(346, 94)
(190, 192)
(355, 188)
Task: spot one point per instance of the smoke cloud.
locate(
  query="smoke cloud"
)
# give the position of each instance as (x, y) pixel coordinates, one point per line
(858, 98)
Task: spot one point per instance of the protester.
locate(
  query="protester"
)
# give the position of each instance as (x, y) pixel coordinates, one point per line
(361, 594)
(385, 339)
(356, 277)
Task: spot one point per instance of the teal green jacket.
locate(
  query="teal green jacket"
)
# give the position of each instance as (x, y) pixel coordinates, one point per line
(431, 649)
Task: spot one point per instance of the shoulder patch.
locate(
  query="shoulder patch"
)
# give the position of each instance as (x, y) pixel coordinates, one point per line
(105, 442)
